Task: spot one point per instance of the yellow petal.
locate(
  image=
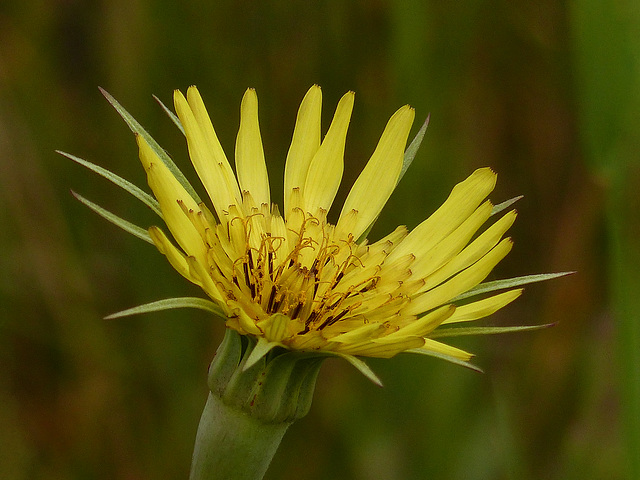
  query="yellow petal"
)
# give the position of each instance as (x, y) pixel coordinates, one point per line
(425, 324)
(169, 193)
(250, 164)
(383, 347)
(247, 323)
(304, 145)
(199, 271)
(377, 181)
(461, 282)
(463, 200)
(452, 244)
(325, 170)
(483, 308)
(275, 327)
(206, 153)
(312, 340)
(176, 258)
(359, 334)
(474, 251)
(438, 347)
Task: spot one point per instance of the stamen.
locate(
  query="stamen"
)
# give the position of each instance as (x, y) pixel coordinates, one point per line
(339, 316)
(326, 322)
(272, 297)
(296, 310)
(245, 267)
(310, 275)
(311, 318)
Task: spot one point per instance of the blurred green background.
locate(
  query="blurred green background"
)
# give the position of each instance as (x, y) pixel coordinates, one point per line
(547, 93)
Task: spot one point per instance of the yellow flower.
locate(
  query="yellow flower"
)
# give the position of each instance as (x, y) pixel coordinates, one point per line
(294, 280)
(291, 279)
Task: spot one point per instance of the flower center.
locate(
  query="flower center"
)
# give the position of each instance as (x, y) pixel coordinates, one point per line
(308, 274)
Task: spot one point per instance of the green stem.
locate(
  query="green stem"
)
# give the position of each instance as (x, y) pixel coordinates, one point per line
(232, 445)
(249, 410)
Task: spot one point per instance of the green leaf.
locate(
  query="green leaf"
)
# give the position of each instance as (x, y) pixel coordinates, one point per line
(448, 358)
(127, 226)
(362, 367)
(460, 331)
(169, 304)
(174, 118)
(412, 150)
(506, 204)
(508, 283)
(137, 192)
(158, 150)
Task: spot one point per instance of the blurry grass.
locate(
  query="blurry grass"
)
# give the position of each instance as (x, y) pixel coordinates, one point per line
(607, 62)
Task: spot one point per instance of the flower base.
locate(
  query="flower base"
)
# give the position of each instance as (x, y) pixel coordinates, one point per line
(249, 410)
(232, 445)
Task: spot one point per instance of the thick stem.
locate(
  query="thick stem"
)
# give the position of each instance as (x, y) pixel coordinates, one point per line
(231, 445)
(249, 410)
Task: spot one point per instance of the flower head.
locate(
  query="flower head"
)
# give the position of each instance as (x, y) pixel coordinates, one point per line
(292, 279)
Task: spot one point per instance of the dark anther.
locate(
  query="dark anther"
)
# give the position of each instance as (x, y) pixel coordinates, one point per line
(314, 266)
(250, 254)
(311, 318)
(296, 310)
(328, 321)
(245, 267)
(276, 305)
(272, 297)
(339, 316)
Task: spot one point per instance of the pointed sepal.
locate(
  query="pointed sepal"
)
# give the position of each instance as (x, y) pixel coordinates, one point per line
(170, 304)
(465, 331)
(127, 226)
(412, 149)
(362, 367)
(509, 283)
(126, 185)
(136, 128)
(447, 358)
